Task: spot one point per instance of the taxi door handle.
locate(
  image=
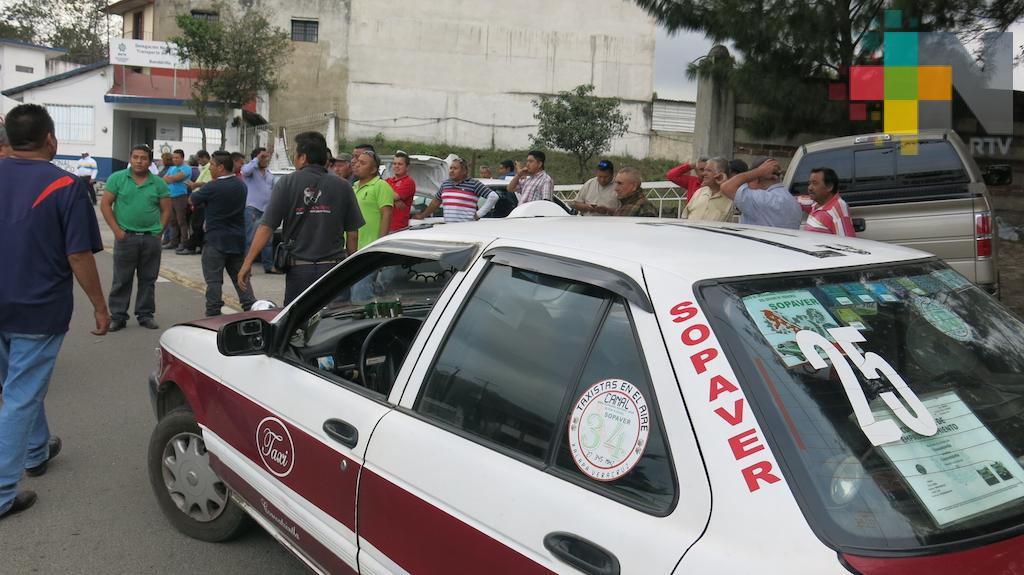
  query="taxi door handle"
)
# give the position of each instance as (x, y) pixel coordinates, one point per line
(584, 555)
(342, 431)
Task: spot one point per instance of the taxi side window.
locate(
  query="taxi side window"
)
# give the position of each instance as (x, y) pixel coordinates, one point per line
(616, 354)
(524, 349)
(503, 372)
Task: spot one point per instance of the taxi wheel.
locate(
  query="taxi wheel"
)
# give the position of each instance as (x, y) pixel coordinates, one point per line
(190, 494)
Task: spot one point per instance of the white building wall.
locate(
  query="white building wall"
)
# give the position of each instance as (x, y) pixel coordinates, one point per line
(13, 56)
(84, 90)
(438, 71)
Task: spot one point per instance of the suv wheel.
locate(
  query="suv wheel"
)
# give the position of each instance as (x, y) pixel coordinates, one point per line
(190, 494)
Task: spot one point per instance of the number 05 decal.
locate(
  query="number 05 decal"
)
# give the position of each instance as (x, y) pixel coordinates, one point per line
(871, 366)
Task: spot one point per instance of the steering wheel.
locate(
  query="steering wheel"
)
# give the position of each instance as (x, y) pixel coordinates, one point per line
(384, 349)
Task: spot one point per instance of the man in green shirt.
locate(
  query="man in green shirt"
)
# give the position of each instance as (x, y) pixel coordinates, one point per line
(376, 198)
(136, 206)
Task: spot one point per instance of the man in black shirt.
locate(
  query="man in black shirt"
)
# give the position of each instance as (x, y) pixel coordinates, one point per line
(224, 200)
(319, 212)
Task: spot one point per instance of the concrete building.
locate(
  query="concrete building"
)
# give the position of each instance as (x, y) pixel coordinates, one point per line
(444, 71)
(22, 63)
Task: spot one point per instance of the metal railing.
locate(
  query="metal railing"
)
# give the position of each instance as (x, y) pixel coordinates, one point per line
(667, 196)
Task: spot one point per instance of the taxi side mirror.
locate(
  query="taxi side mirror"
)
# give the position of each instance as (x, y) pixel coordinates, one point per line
(244, 337)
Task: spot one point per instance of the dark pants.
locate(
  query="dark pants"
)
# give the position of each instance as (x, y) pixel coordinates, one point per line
(252, 221)
(197, 220)
(179, 221)
(87, 180)
(215, 263)
(135, 255)
(302, 276)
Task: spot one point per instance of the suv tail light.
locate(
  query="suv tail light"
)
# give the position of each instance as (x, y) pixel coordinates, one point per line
(983, 234)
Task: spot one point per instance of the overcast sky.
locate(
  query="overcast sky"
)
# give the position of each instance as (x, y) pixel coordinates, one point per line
(672, 53)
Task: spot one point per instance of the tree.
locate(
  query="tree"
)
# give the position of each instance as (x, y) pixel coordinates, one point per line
(579, 123)
(78, 26)
(236, 59)
(790, 50)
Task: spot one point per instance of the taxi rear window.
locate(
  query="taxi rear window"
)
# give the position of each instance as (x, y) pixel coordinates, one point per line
(894, 395)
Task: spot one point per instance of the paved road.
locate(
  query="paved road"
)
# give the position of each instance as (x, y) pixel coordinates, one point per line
(96, 512)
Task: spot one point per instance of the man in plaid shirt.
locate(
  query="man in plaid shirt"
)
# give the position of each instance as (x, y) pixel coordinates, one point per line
(532, 183)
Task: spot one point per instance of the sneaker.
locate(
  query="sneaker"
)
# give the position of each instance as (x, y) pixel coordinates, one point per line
(169, 247)
(148, 324)
(116, 325)
(185, 252)
(22, 501)
(55, 444)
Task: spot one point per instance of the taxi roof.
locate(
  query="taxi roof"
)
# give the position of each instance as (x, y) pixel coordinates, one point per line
(693, 250)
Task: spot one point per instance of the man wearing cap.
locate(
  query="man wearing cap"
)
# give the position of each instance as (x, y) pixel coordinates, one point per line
(87, 170)
(341, 166)
(597, 196)
(761, 197)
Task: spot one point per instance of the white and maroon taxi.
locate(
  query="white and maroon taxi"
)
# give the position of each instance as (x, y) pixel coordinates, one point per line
(566, 395)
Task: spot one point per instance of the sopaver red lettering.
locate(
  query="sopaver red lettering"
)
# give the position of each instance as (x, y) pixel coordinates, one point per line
(720, 385)
(691, 338)
(683, 311)
(760, 471)
(701, 358)
(734, 418)
(745, 443)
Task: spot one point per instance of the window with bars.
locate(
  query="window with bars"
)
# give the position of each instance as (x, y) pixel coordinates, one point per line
(207, 15)
(305, 30)
(72, 123)
(193, 135)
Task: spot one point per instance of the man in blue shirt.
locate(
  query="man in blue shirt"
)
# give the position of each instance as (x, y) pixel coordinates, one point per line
(259, 182)
(761, 197)
(49, 233)
(177, 178)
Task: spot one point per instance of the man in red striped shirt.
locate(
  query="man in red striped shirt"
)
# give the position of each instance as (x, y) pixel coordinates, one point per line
(828, 214)
(459, 195)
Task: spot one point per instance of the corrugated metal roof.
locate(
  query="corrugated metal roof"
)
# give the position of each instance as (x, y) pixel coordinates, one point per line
(672, 116)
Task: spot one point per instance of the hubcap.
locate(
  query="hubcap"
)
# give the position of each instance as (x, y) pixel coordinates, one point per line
(191, 483)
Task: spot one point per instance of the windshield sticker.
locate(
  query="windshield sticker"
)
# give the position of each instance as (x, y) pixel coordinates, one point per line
(849, 317)
(951, 279)
(781, 315)
(929, 284)
(902, 402)
(960, 471)
(836, 294)
(906, 285)
(608, 429)
(943, 320)
(859, 292)
(882, 292)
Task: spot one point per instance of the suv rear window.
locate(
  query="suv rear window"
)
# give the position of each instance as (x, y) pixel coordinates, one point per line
(894, 395)
(904, 171)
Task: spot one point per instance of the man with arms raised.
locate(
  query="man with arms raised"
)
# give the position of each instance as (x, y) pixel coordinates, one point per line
(49, 233)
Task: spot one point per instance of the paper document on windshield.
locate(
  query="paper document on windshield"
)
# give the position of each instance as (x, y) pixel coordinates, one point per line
(959, 472)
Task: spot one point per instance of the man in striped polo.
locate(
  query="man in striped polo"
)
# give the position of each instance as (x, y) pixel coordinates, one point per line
(459, 194)
(828, 214)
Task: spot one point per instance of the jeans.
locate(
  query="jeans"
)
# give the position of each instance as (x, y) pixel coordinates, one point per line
(301, 277)
(252, 220)
(136, 254)
(215, 262)
(26, 363)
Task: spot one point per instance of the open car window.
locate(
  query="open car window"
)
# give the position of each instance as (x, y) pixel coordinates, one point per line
(895, 397)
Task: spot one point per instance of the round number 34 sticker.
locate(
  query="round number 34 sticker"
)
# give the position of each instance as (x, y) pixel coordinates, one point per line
(608, 429)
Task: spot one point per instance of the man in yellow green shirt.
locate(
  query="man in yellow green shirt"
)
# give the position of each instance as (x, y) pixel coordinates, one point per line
(376, 198)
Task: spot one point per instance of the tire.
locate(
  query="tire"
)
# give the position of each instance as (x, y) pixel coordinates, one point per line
(190, 494)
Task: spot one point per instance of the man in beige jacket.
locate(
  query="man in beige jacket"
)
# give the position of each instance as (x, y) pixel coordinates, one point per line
(708, 203)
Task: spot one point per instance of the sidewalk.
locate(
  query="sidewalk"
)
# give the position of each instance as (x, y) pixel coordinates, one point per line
(188, 271)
